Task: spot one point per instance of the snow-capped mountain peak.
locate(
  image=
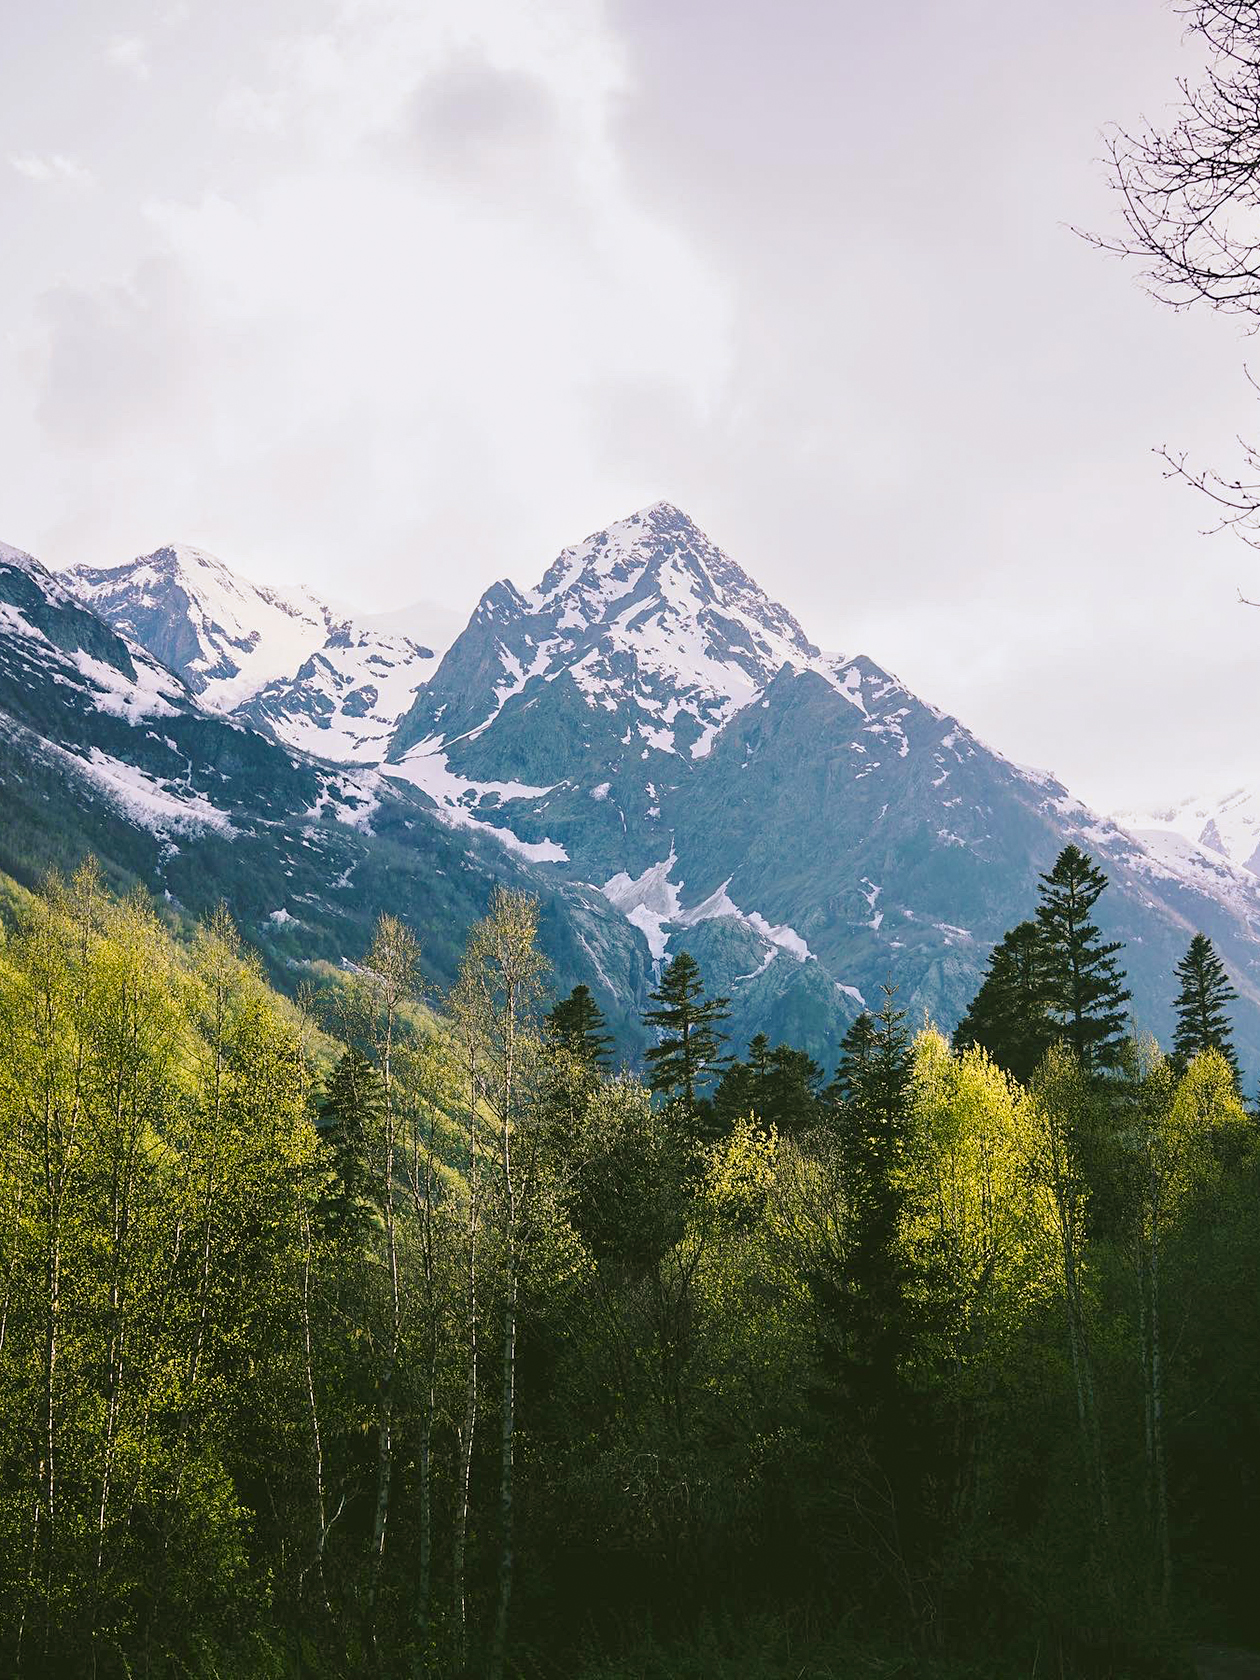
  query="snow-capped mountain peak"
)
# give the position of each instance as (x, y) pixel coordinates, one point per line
(658, 562)
(284, 659)
(650, 620)
(16, 557)
(225, 636)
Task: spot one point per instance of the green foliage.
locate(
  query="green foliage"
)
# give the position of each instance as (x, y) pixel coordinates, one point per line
(688, 1049)
(1202, 1006)
(409, 1348)
(347, 1113)
(781, 1086)
(1008, 1016)
(576, 1025)
(1083, 989)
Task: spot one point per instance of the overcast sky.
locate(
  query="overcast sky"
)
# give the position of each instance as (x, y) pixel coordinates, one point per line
(396, 298)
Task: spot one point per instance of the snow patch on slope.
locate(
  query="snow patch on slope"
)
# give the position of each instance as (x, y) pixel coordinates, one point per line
(425, 767)
(651, 901)
(161, 807)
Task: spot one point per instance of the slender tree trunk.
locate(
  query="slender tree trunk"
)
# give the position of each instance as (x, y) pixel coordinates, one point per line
(1082, 1365)
(385, 1424)
(318, 1499)
(469, 1424)
(507, 1557)
(1157, 1420)
(1148, 1405)
(424, 1579)
(507, 1442)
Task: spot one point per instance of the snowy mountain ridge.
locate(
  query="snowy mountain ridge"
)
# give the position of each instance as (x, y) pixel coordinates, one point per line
(647, 722)
(656, 747)
(285, 660)
(1225, 826)
(648, 615)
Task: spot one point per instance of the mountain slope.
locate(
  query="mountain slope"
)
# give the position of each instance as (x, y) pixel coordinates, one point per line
(651, 722)
(645, 738)
(103, 750)
(283, 659)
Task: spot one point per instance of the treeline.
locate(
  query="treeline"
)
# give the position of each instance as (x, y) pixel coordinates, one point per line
(345, 1337)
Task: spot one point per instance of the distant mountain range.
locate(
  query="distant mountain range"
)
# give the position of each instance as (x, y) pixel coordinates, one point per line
(1227, 826)
(645, 738)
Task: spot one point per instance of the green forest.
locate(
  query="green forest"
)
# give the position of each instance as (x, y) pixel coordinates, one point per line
(371, 1333)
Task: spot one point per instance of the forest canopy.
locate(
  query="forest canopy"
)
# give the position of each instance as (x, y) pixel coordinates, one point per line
(364, 1336)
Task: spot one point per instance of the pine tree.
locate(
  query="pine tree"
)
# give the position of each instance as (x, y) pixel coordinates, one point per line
(857, 1049)
(779, 1086)
(1007, 1016)
(1084, 990)
(1202, 1006)
(352, 1101)
(877, 1076)
(873, 1122)
(577, 1025)
(689, 1046)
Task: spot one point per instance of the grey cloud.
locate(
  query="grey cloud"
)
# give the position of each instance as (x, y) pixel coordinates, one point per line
(472, 120)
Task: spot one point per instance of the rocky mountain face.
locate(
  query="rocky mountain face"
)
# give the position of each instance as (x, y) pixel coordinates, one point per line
(649, 722)
(104, 750)
(284, 660)
(645, 738)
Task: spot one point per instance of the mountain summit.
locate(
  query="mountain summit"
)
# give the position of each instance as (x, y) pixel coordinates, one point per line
(284, 660)
(645, 738)
(648, 616)
(649, 721)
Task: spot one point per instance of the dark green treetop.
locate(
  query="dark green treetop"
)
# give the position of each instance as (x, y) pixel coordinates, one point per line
(873, 1080)
(857, 1051)
(353, 1099)
(780, 1086)
(873, 1118)
(689, 1044)
(1202, 1006)
(577, 1025)
(1084, 989)
(1008, 1015)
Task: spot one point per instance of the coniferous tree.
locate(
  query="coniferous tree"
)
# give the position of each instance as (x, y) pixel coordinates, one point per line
(352, 1101)
(577, 1025)
(857, 1049)
(1202, 1006)
(689, 1047)
(874, 1118)
(1084, 989)
(742, 1087)
(1007, 1016)
(779, 1086)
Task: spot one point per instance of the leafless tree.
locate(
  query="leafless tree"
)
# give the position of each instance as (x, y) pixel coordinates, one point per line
(1190, 200)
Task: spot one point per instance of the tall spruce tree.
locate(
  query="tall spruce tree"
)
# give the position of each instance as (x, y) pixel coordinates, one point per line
(857, 1051)
(1202, 1006)
(577, 1025)
(1084, 989)
(351, 1104)
(1008, 1015)
(689, 1044)
(873, 1118)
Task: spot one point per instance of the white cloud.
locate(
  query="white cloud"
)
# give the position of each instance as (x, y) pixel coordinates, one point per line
(129, 53)
(54, 167)
(391, 337)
